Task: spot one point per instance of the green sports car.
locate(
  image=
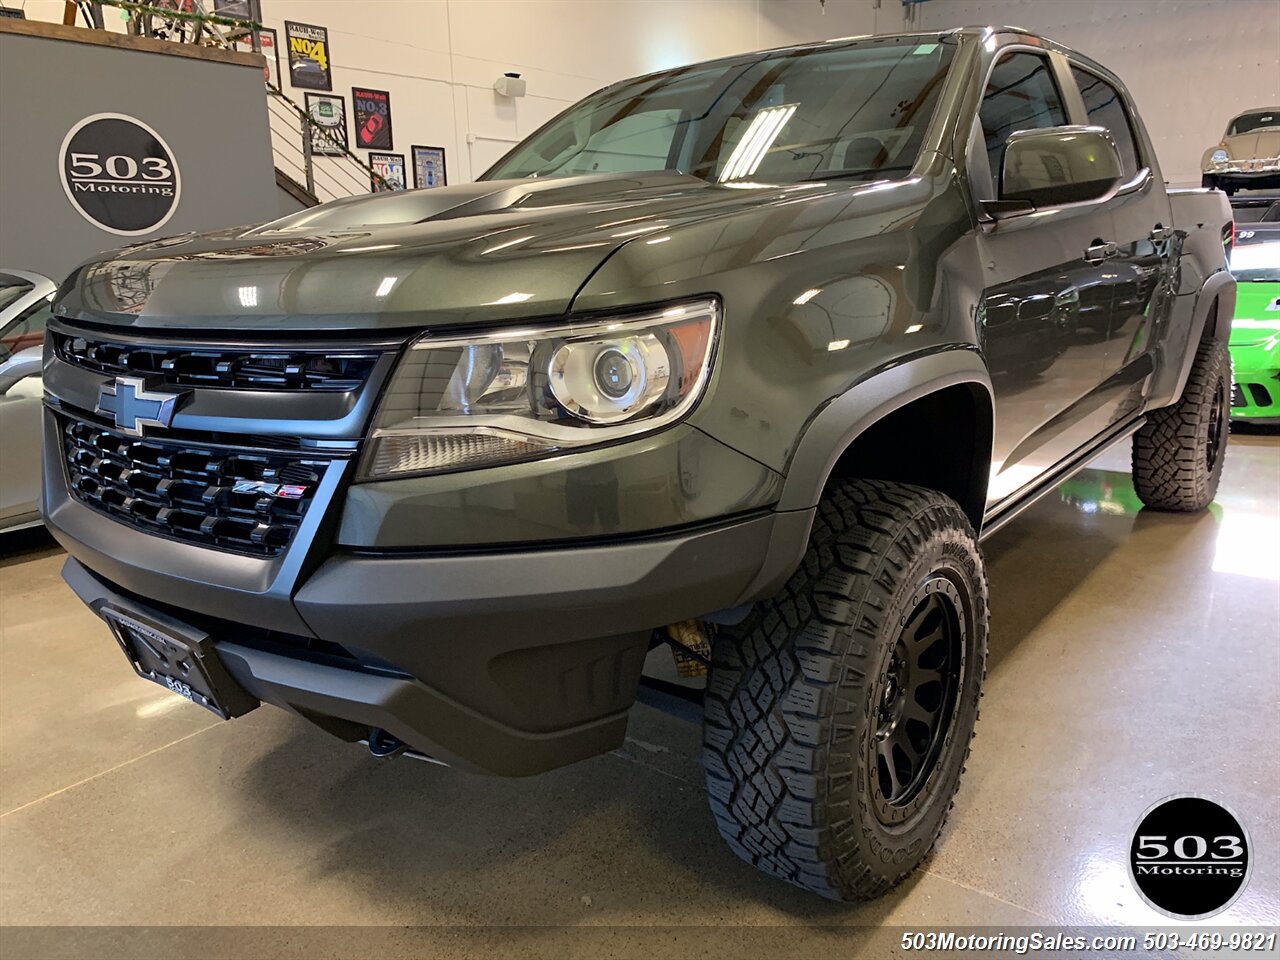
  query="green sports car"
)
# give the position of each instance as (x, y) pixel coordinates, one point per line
(1255, 331)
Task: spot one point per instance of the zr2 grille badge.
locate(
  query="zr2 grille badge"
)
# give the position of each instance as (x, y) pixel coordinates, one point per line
(283, 491)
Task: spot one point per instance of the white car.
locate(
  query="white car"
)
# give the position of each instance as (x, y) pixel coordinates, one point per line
(1247, 156)
(25, 299)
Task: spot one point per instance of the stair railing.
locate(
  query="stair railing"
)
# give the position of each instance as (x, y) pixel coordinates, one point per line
(334, 173)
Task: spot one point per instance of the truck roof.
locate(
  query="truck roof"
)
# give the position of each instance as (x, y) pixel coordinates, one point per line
(978, 30)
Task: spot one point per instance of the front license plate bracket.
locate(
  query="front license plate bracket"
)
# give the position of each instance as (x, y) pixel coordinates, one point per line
(179, 657)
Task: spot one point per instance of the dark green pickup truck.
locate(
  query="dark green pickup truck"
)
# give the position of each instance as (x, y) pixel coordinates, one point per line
(742, 357)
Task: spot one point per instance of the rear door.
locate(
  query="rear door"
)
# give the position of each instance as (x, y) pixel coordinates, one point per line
(1045, 366)
(1142, 232)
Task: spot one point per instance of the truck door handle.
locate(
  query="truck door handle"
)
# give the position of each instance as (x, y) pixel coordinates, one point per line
(1101, 250)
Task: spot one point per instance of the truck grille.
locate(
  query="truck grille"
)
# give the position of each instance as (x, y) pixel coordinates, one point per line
(245, 501)
(247, 368)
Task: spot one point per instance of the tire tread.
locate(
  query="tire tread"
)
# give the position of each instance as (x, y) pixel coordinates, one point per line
(788, 693)
(1169, 470)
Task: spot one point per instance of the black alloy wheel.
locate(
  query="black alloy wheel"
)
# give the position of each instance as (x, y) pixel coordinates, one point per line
(1217, 428)
(917, 702)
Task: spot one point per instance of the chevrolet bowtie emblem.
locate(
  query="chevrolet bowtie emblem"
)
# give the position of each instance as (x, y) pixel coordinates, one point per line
(128, 401)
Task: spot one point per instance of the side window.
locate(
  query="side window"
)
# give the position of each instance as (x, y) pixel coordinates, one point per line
(1021, 95)
(1106, 109)
(26, 331)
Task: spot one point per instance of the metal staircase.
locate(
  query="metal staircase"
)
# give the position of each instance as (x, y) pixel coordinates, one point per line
(308, 178)
(304, 177)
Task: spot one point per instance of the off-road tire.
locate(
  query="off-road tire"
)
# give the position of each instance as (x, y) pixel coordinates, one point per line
(1172, 468)
(792, 701)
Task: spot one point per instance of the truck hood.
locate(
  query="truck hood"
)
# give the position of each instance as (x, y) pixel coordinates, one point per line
(449, 256)
(1258, 144)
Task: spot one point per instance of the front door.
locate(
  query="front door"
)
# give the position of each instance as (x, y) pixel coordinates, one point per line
(1045, 363)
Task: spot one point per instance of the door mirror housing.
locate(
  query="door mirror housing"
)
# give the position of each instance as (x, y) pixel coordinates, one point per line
(19, 366)
(1054, 166)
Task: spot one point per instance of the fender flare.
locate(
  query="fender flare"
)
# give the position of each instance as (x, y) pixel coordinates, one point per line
(838, 424)
(842, 420)
(1220, 288)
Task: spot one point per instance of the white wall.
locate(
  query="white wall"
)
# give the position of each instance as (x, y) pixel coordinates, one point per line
(439, 58)
(1191, 65)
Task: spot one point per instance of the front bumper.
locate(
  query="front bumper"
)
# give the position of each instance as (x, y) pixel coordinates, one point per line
(1256, 397)
(509, 663)
(349, 701)
(1264, 176)
(1255, 393)
(1231, 166)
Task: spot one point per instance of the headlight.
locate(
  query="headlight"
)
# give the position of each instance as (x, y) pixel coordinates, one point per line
(1218, 156)
(517, 394)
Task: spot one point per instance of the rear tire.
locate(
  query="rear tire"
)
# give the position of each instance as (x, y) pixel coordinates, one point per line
(1178, 453)
(873, 653)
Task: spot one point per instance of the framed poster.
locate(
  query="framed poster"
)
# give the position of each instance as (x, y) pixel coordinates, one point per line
(232, 8)
(389, 166)
(309, 66)
(371, 110)
(330, 115)
(428, 167)
(270, 50)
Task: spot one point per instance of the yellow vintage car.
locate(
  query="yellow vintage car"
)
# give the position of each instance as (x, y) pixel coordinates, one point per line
(1247, 156)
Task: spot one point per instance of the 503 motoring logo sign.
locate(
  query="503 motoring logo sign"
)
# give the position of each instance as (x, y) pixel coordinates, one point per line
(1190, 857)
(119, 174)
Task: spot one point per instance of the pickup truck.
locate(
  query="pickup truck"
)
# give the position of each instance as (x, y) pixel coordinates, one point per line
(741, 358)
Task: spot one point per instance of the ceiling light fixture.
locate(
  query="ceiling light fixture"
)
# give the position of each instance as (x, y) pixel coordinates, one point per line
(755, 143)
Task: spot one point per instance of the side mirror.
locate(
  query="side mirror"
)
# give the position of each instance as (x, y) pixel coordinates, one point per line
(1054, 166)
(23, 364)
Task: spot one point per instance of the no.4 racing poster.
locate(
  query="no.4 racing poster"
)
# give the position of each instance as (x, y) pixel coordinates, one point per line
(309, 65)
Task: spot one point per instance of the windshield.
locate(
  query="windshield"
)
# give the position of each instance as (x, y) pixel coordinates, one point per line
(1249, 122)
(1257, 261)
(857, 111)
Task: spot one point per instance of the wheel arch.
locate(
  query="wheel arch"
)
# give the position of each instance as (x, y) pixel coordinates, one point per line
(898, 392)
(1215, 307)
(1210, 319)
(926, 420)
